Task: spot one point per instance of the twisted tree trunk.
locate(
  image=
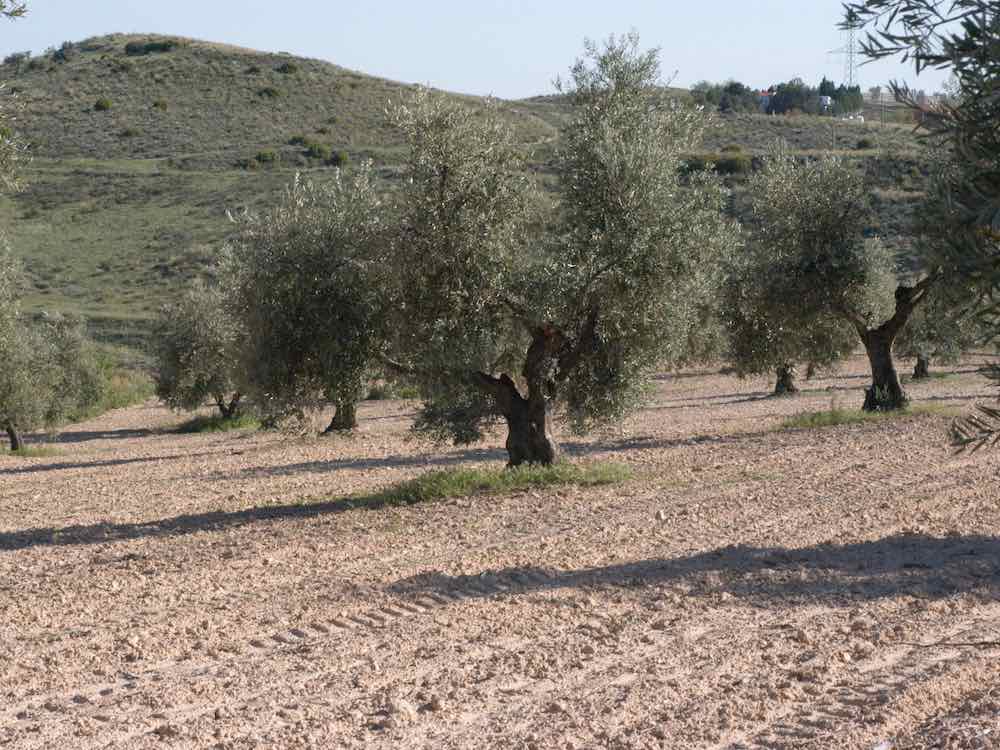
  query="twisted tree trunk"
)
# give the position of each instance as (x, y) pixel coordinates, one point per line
(228, 411)
(16, 441)
(810, 370)
(922, 370)
(886, 393)
(345, 417)
(528, 417)
(785, 386)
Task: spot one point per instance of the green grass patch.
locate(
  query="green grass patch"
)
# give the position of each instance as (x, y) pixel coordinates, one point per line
(388, 390)
(218, 423)
(31, 451)
(838, 416)
(452, 483)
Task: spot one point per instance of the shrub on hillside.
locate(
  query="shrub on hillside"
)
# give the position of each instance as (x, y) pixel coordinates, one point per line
(319, 151)
(338, 159)
(267, 156)
(288, 68)
(726, 163)
(17, 59)
(102, 105)
(65, 52)
(865, 143)
(268, 92)
(138, 49)
(160, 104)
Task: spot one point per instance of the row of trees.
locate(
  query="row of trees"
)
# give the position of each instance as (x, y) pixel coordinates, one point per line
(784, 98)
(500, 303)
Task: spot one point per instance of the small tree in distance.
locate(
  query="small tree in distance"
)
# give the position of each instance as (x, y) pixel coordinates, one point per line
(942, 329)
(496, 322)
(304, 281)
(194, 352)
(810, 218)
(766, 335)
(50, 370)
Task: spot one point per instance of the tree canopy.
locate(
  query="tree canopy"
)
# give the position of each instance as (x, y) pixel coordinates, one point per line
(579, 304)
(304, 280)
(195, 340)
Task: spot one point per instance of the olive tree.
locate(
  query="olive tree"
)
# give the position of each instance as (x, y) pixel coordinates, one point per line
(766, 335)
(942, 329)
(507, 315)
(195, 339)
(819, 269)
(303, 279)
(961, 36)
(50, 370)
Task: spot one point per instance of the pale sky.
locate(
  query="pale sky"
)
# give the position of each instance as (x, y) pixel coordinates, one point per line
(508, 48)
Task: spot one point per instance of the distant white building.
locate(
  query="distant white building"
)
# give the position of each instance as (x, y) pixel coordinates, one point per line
(825, 102)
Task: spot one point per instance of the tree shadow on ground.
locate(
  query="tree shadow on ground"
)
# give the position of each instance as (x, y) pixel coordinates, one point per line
(39, 468)
(83, 436)
(918, 565)
(382, 462)
(105, 533)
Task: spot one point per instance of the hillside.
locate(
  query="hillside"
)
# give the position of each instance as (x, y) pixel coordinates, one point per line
(143, 143)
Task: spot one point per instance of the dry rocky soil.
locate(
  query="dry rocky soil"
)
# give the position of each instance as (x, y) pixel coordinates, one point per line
(748, 587)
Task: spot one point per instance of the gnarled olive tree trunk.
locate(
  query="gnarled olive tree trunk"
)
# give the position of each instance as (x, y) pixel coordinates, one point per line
(528, 417)
(230, 409)
(16, 441)
(922, 369)
(886, 393)
(345, 417)
(785, 385)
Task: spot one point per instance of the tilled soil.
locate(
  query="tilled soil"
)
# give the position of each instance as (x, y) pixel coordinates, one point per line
(750, 587)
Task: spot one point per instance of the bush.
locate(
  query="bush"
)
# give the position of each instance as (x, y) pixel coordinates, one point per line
(218, 423)
(733, 164)
(267, 156)
(120, 388)
(252, 70)
(339, 159)
(288, 68)
(138, 49)
(160, 104)
(299, 140)
(17, 59)
(865, 143)
(102, 105)
(268, 92)
(727, 163)
(129, 133)
(65, 52)
(319, 151)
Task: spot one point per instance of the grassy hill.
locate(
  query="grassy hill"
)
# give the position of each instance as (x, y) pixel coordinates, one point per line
(143, 143)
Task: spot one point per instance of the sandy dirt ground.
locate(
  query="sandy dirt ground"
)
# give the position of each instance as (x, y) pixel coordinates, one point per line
(749, 587)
